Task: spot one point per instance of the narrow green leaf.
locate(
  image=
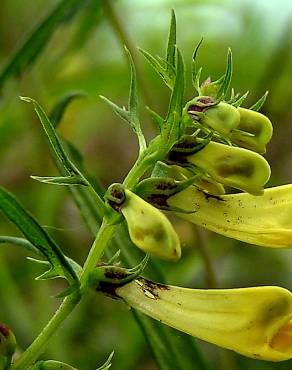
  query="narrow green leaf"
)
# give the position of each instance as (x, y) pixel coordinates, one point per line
(166, 74)
(35, 234)
(257, 106)
(196, 84)
(173, 119)
(133, 95)
(239, 101)
(171, 45)
(52, 136)
(196, 81)
(61, 180)
(121, 112)
(20, 242)
(108, 363)
(38, 39)
(24, 243)
(157, 119)
(227, 77)
(58, 111)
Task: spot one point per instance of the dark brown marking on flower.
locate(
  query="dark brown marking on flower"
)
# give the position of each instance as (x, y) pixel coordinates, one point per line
(226, 169)
(272, 310)
(166, 185)
(4, 330)
(108, 289)
(115, 274)
(212, 196)
(150, 288)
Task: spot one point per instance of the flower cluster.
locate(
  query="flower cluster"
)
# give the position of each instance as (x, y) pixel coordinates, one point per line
(211, 172)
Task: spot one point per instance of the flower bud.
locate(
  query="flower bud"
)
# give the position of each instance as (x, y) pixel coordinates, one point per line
(236, 167)
(149, 229)
(221, 117)
(7, 346)
(256, 124)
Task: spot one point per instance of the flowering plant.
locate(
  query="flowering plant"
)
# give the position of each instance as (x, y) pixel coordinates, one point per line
(206, 166)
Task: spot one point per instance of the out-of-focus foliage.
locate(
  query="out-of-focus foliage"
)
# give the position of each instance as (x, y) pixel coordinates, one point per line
(86, 53)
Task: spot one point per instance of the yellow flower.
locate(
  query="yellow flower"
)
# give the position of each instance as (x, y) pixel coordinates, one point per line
(264, 220)
(254, 322)
(149, 229)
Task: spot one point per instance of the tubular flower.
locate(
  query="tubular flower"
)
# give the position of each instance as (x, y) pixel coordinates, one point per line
(231, 166)
(254, 322)
(264, 220)
(149, 228)
(254, 131)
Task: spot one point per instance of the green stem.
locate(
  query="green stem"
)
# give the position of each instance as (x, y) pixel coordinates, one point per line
(36, 348)
(102, 239)
(103, 236)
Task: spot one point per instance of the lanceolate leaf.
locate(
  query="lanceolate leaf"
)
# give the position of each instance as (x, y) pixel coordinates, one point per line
(131, 114)
(39, 37)
(167, 74)
(61, 180)
(173, 119)
(196, 74)
(227, 77)
(171, 50)
(52, 136)
(58, 111)
(24, 243)
(108, 363)
(36, 235)
(257, 106)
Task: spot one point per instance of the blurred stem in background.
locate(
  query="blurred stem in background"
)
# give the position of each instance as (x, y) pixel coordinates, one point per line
(124, 38)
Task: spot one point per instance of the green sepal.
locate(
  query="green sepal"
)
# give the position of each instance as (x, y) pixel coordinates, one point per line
(108, 362)
(257, 106)
(187, 145)
(35, 234)
(61, 180)
(157, 190)
(106, 277)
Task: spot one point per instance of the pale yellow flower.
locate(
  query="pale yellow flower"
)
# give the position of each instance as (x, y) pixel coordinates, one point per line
(254, 322)
(264, 220)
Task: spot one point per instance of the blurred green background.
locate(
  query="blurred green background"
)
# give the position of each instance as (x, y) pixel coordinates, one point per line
(85, 52)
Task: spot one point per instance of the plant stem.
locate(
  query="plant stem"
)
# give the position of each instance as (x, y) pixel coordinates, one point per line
(36, 348)
(103, 236)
